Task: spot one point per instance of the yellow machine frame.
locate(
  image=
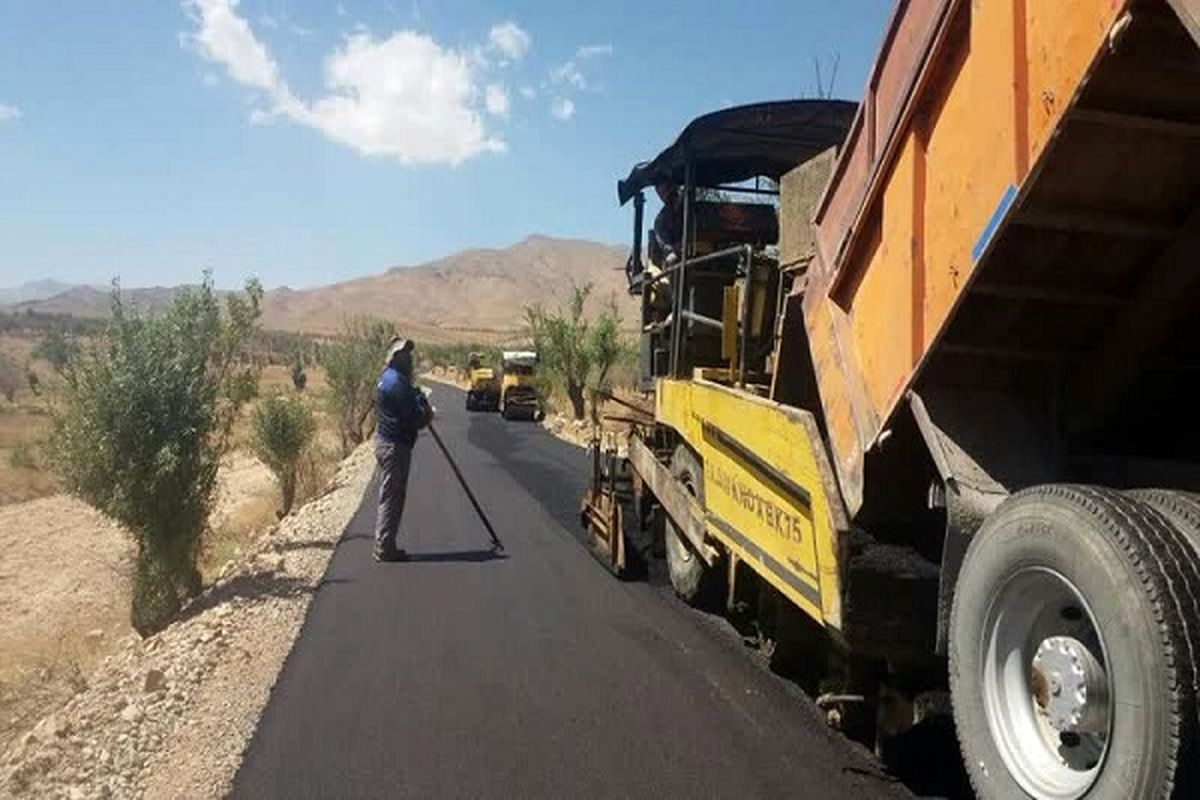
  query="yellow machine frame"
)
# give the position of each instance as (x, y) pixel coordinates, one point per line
(770, 492)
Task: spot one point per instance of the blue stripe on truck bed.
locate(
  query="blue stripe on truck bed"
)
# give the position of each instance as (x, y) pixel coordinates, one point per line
(989, 230)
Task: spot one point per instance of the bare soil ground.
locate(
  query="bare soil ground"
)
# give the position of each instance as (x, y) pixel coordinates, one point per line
(169, 716)
(64, 585)
(64, 595)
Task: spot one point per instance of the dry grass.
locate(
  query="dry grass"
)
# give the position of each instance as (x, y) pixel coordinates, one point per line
(84, 604)
(23, 470)
(229, 541)
(24, 425)
(62, 615)
(277, 379)
(45, 678)
(18, 347)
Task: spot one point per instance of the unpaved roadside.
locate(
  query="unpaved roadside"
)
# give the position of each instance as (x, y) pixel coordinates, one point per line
(64, 586)
(64, 602)
(169, 716)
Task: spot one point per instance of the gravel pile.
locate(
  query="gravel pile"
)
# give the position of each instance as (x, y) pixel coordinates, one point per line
(575, 431)
(169, 716)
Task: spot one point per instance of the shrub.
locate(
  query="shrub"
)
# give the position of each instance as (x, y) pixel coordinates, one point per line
(283, 430)
(352, 365)
(21, 456)
(299, 376)
(146, 413)
(55, 348)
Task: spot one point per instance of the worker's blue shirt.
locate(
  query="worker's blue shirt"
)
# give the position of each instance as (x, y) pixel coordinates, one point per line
(400, 408)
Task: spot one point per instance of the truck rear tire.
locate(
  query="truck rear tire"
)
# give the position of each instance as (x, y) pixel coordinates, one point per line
(691, 578)
(1072, 645)
(1180, 508)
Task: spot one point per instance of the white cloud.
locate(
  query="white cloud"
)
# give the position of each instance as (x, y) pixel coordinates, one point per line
(224, 37)
(568, 74)
(282, 22)
(509, 39)
(562, 108)
(9, 113)
(403, 96)
(528, 92)
(496, 100)
(594, 50)
(567, 80)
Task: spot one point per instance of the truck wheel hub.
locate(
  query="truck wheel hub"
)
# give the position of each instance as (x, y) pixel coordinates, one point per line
(1070, 686)
(1045, 685)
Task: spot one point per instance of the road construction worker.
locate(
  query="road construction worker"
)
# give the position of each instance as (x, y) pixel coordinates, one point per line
(401, 410)
(666, 236)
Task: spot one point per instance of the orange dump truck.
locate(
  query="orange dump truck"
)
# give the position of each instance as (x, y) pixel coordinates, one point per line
(919, 399)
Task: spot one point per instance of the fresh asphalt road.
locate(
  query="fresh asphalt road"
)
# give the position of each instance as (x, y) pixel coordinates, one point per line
(534, 673)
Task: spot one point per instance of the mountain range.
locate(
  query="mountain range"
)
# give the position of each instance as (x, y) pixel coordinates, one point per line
(474, 295)
(33, 290)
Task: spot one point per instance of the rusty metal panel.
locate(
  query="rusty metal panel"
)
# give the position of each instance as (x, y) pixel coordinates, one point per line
(799, 192)
(898, 64)
(1060, 44)
(843, 198)
(909, 36)
(848, 415)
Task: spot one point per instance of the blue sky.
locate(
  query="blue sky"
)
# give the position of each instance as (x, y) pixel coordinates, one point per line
(307, 142)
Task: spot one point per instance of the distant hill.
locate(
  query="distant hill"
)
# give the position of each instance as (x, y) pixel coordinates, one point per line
(473, 295)
(33, 290)
(90, 301)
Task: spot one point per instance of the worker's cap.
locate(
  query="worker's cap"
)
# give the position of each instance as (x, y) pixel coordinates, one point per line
(399, 345)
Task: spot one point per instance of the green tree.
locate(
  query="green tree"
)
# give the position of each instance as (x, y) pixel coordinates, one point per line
(573, 350)
(283, 431)
(299, 376)
(352, 364)
(605, 347)
(55, 348)
(146, 413)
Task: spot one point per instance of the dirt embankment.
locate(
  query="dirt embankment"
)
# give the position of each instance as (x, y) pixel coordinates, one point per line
(169, 716)
(64, 599)
(64, 585)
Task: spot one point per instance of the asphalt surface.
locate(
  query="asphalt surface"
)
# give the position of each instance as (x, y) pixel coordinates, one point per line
(532, 673)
